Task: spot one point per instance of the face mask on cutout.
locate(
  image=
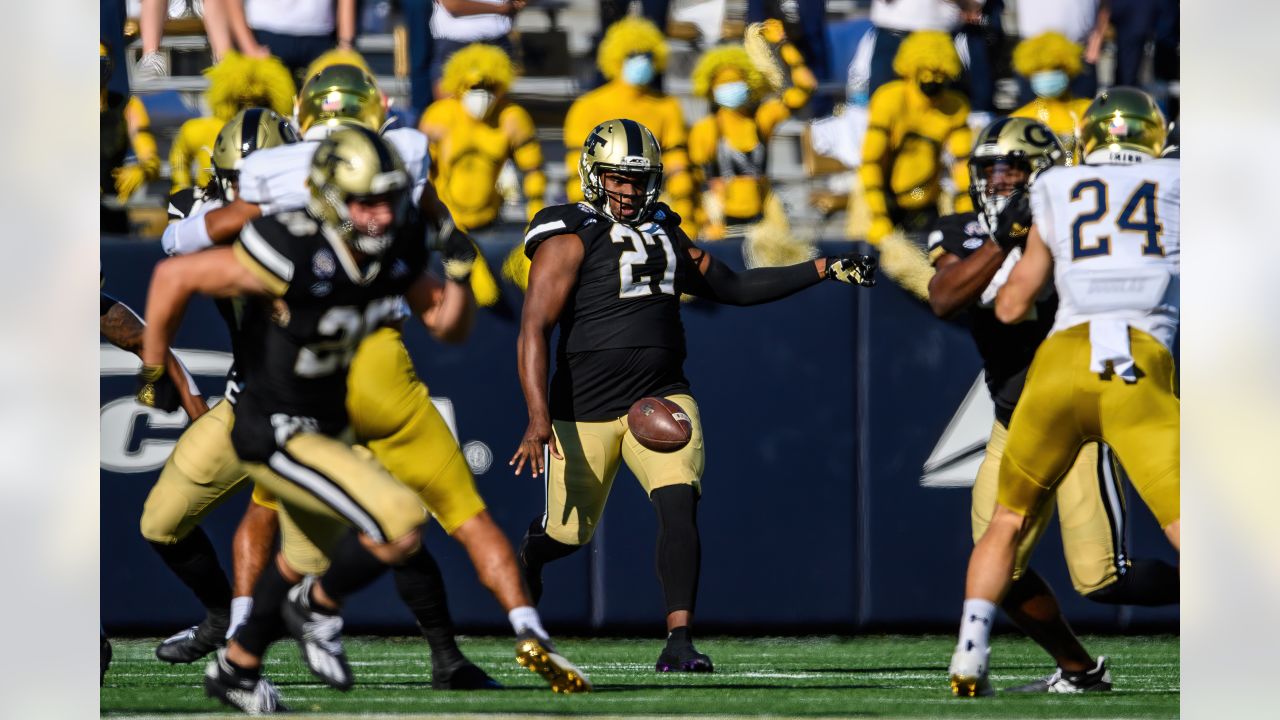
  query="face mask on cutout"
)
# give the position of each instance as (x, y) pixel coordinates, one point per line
(932, 88)
(477, 103)
(731, 95)
(1049, 84)
(637, 70)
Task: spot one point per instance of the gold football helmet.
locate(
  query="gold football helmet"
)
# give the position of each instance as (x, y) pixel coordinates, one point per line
(1021, 146)
(626, 147)
(251, 129)
(341, 94)
(354, 163)
(1121, 125)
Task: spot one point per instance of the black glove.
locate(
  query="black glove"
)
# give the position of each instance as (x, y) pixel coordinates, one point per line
(1014, 222)
(852, 268)
(457, 252)
(156, 389)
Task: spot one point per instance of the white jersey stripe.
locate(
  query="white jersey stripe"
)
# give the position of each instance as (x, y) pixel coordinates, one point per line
(545, 227)
(327, 492)
(262, 251)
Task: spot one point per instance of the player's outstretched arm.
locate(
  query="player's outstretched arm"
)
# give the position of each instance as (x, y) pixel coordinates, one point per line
(122, 327)
(958, 283)
(552, 275)
(221, 226)
(214, 272)
(447, 308)
(1015, 299)
(718, 282)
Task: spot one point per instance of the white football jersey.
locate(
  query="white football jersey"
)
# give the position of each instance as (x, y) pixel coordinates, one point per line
(276, 178)
(1114, 234)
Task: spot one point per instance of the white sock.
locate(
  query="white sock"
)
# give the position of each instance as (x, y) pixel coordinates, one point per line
(240, 609)
(524, 618)
(975, 624)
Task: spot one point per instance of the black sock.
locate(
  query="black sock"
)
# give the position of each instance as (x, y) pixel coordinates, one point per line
(244, 672)
(1146, 582)
(265, 625)
(536, 550)
(351, 569)
(421, 588)
(195, 562)
(679, 554)
(680, 637)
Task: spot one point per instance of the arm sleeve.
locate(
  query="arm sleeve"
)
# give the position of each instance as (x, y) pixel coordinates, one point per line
(190, 234)
(750, 287)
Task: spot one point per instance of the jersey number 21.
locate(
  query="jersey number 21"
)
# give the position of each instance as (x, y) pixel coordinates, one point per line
(632, 281)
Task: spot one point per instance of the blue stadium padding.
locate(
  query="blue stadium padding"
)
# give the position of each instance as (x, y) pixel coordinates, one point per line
(819, 412)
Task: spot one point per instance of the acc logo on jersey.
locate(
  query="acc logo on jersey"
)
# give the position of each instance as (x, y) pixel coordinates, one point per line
(324, 264)
(973, 243)
(974, 229)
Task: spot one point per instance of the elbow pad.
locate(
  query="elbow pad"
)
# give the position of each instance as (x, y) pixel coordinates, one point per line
(186, 236)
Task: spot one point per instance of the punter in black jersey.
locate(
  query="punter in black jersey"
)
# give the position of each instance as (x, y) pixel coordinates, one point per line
(329, 276)
(610, 273)
(974, 253)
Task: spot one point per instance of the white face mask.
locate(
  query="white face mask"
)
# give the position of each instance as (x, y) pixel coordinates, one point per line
(1049, 83)
(637, 70)
(731, 94)
(477, 103)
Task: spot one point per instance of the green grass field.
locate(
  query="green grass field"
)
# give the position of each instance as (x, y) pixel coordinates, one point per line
(873, 676)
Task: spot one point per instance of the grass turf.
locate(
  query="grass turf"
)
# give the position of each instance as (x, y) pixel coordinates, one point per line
(872, 676)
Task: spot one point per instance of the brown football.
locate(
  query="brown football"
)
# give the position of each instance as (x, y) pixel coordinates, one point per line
(659, 424)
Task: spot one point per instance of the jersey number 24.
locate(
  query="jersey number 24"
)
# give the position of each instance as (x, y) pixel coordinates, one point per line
(1137, 215)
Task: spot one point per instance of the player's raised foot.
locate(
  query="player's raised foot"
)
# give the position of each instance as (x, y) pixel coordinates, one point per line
(252, 695)
(1096, 680)
(196, 641)
(969, 667)
(540, 656)
(465, 675)
(319, 636)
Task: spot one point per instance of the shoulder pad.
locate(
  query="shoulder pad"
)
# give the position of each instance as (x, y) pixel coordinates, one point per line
(411, 146)
(182, 203)
(558, 220)
(270, 242)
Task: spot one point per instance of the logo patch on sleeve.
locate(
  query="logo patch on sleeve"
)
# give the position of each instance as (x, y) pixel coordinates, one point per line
(323, 263)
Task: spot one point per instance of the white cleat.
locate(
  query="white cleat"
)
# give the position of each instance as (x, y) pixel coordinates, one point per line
(969, 668)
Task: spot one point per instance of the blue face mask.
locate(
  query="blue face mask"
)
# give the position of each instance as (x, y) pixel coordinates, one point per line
(731, 95)
(637, 70)
(1049, 84)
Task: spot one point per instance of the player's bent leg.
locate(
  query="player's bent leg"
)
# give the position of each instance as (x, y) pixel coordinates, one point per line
(202, 472)
(985, 490)
(251, 550)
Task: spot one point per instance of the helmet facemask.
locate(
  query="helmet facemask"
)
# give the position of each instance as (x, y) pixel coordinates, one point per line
(648, 180)
(992, 181)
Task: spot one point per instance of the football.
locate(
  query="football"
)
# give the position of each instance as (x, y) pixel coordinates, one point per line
(659, 424)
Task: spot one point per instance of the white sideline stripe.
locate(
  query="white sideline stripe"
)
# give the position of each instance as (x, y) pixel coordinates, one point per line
(544, 227)
(324, 489)
(262, 251)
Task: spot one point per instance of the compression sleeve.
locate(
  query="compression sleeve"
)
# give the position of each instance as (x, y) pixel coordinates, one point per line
(753, 287)
(187, 235)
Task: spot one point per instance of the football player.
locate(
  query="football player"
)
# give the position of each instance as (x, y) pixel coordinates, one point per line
(973, 253)
(390, 408)
(319, 281)
(1107, 232)
(203, 469)
(610, 272)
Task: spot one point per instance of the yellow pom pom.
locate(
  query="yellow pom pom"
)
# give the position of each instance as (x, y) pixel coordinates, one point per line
(483, 284)
(238, 82)
(516, 268)
(906, 264)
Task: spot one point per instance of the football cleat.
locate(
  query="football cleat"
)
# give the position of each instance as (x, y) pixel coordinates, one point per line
(1096, 680)
(195, 642)
(462, 676)
(969, 672)
(683, 659)
(540, 656)
(319, 637)
(252, 696)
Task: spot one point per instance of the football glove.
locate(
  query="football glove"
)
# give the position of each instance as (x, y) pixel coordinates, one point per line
(457, 252)
(156, 389)
(1014, 221)
(852, 268)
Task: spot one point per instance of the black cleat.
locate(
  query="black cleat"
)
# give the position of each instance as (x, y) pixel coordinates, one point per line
(540, 656)
(462, 676)
(1096, 680)
(104, 658)
(230, 686)
(195, 642)
(683, 658)
(319, 637)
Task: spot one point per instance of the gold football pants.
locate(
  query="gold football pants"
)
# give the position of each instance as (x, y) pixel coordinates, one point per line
(578, 485)
(1064, 405)
(1091, 513)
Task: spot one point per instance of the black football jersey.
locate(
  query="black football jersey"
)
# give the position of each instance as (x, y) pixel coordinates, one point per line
(305, 337)
(1006, 350)
(621, 337)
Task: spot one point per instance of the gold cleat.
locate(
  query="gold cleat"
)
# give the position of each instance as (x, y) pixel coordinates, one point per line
(969, 686)
(539, 656)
